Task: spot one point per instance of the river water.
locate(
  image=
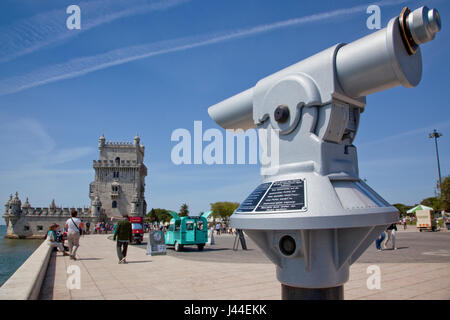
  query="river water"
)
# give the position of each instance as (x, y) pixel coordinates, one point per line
(13, 253)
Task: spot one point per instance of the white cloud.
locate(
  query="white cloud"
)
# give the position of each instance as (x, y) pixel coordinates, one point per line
(34, 33)
(32, 151)
(81, 66)
(408, 133)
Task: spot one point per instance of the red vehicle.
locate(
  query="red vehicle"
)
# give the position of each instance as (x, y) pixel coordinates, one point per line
(137, 229)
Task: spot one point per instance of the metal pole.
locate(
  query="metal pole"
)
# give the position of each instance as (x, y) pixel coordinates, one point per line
(439, 166)
(294, 293)
(436, 135)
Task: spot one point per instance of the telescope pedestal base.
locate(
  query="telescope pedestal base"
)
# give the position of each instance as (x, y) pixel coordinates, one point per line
(294, 293)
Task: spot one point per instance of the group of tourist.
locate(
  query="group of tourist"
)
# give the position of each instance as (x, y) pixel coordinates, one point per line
(55, 238)
(103, 228)
(76, 227)
(223, 229)
(122, 231)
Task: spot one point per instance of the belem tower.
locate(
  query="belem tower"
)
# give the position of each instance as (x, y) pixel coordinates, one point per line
(118, 189)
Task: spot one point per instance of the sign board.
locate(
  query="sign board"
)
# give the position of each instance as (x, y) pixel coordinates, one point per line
(277, 196)
(156, 244)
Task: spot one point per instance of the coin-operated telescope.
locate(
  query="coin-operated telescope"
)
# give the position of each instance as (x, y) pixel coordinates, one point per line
(312, 215)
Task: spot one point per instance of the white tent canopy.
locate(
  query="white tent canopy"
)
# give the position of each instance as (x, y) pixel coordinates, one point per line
(419, 207)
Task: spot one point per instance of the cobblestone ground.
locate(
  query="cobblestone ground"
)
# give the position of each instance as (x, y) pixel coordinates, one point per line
(174, 276)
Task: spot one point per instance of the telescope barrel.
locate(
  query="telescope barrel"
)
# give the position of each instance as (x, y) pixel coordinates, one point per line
(235, 112)
(389, 57)
(382, 60)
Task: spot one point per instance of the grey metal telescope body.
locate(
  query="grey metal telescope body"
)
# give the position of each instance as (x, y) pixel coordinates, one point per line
(315, 107)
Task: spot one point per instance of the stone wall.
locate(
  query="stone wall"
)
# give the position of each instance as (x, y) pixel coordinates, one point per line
(29, 227)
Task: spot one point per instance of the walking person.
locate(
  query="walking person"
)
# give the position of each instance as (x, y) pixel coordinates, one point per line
(218, 228)
(391, 230)
(123, 236)
(74, 230)
(52, 240)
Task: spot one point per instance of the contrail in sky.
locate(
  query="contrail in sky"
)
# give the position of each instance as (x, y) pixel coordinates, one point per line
(29, 35)
(81, 66)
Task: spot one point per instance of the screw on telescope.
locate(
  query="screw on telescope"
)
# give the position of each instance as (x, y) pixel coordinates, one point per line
(281, 114)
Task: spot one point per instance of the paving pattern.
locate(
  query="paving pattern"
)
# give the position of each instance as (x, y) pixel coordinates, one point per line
(239, 275)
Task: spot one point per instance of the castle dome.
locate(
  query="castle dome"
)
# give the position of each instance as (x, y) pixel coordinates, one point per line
(26, 205)
(102, 141)
(16, 201)
(137, 139)
(9, 201)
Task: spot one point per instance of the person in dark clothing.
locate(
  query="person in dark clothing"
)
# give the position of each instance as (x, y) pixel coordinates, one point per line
(123, 236)
(379, 240)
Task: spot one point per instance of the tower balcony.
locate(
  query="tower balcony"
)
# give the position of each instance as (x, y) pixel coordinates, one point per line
(114, 194)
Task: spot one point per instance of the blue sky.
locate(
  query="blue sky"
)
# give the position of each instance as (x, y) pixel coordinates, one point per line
(152, 66)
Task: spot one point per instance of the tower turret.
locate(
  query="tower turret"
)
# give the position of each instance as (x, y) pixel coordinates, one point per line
(96, 206)
(52, 205)
(101, 141)
(26, 204)
(7, 204)
(15, 205)
(134, 206)
(137, 140)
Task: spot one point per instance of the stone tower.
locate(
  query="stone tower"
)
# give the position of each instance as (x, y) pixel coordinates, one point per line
(119, 183)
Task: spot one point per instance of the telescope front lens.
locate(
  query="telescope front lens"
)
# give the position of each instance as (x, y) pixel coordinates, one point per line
(435, 20)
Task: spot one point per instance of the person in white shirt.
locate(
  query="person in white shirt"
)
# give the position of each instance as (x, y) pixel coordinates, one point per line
(74, 226)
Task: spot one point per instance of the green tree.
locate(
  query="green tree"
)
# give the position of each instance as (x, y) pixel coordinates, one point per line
(432, 202)
(184, 211)
(159, 215)
(403, 208)
(445, 192)
(223, 209)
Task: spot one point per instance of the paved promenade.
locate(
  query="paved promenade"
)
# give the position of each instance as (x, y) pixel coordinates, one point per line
(174, 277)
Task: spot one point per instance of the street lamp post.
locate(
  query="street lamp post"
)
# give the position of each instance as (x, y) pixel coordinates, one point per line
(436, 135)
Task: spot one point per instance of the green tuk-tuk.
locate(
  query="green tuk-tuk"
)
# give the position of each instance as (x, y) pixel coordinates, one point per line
(187, 231)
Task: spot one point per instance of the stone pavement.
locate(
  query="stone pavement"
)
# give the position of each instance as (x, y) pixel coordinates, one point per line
(168, 277)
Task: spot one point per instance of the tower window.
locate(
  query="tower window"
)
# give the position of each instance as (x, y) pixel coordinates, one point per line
(114, 204)
(115, 174)
(117, 161)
